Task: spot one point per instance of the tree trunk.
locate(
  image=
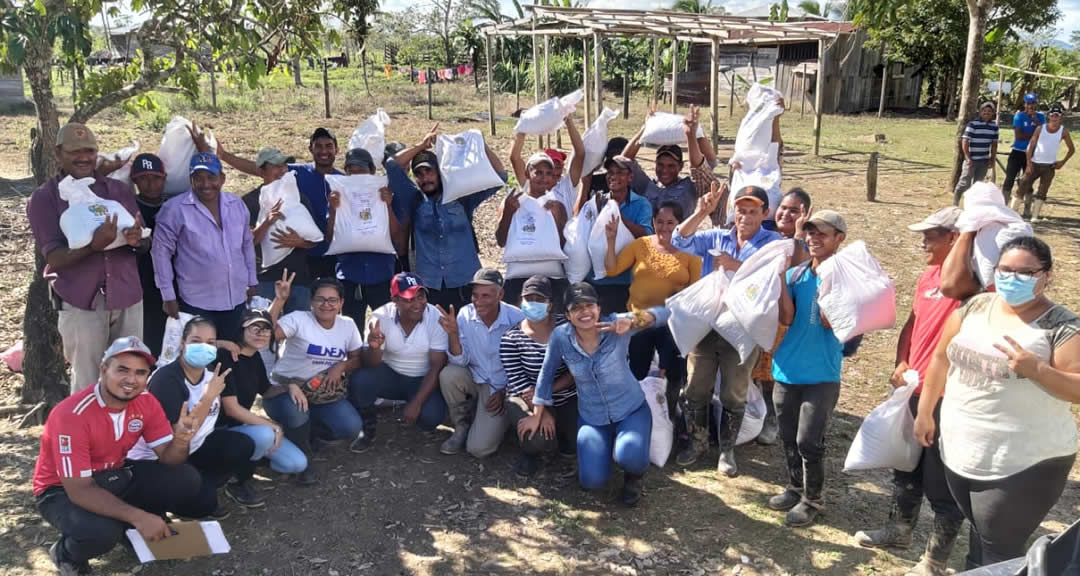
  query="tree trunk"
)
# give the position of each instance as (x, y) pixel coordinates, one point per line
(978, 12)
(295, 65)
(476, 72)
(626, 95)
(363, 66)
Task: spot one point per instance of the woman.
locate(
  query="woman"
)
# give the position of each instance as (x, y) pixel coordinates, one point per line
(322, 348)
(1008, 438)
(613, 416)
(246, 380)
(522, 350)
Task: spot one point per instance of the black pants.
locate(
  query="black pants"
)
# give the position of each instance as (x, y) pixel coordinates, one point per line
(227, 322)
(803, 412)
(360, 297)
(155, 487)
(447, 297)
(225, 454)
(928, 478)
(566, 424)
(1016, 164)
(512, 292)
(613, 297)
(1004, 513)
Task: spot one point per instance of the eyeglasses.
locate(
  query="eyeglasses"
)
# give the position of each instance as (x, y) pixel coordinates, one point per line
(259, 330)
(1021, 275)
(319, 301)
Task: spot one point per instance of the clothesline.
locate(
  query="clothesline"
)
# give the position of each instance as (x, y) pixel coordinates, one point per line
(429, 75)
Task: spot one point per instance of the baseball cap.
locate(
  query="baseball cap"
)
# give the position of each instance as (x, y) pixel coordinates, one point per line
(128, 345)
(754, 194)
(205, 161)
(829, 218)
(147, 163)
(537, 286)
(555, 155)
(255, 317)
(620, 161)
(944, 218)
(1055, 109)
(1030, 97)
(406, 285)
(321, 132)
(359, 157)
(75, 136)
(425, 158)
(392, 149)
(581, 293)
(274, 156)
(487, 277)
(673, 150)
(988, 104)
(538, 158)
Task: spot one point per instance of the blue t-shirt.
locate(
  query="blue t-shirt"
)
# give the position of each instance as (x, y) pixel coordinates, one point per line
(1027, 127)
(809, 353)
(313, 186)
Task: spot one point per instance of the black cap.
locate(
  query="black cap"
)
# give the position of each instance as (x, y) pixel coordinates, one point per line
(673, 150)
(255, 316)
(360, 157)
(581, 293)
(615, 147)
(488, 276)
(537, 286)
(1056, 109)
(425, 158)
(147, 163)
(392, 149)
(321, 132)
(620, 161)
(754, 193)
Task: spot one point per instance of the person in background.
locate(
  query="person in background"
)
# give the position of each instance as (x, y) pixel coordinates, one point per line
(1010, 362)
(614, 420)
(667, 186)
(148, 175)
(447, 255)
(475, 380)
(914, 349)
(979, 144)
(521, 351)
(806, 368)
(82, 484)
(1042, 162)
(561, 185)
(1024, 124)
(702, 162)
(90, 311)
(204, 230)
(597, 183)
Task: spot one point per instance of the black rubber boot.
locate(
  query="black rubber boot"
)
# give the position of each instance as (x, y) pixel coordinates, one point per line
(939, 545)
(729, 432)
(633, 485)
(698, 431)
(903, 516)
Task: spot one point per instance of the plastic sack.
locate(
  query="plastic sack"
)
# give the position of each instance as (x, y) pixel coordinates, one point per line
(13, 357)
(362, 222)
(576, 245)
(856, 295)
(176, 151)
(598, 238)
(547, 117)
(886, 438)
(766, 175)
(533, 234)
(297, 217)
(87, 211)
(595, 140)
(988, 243)
(122, 173)
(371, 135)
(172, 338)
(753, 418)
(694, 309)
(753, 296)
(730, 329)
(984, 205)
(663, 128)
(755, 131)
(663, 430)
(464, 165)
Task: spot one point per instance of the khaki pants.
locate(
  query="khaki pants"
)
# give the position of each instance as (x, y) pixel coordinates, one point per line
(87, 333)
(462, 395)
(713, 354)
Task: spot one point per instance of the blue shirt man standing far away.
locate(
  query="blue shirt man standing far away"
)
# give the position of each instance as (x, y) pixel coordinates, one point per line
(1024, 124)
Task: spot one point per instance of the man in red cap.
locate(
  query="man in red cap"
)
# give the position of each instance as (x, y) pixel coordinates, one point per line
(561, 186)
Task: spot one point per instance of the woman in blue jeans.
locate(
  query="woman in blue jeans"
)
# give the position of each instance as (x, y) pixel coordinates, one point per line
(613, 416)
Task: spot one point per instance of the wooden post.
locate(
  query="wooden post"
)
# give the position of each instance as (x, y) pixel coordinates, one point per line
(598, 70)
(802, 88)
(326, 90)
(74, 85)
(547, 75)
(1001, 84)
(585, 80)
(536, 75)
(674, 74)
(753, 69)
(657, 80)
(819, 96)
(491, 94)
(213, 87)
(884, 82)
(626, 94)
(429, 83)
(871, 178)
(731, 96)
(714, 92)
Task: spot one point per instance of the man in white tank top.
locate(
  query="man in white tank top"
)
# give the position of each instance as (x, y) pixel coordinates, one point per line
(1042, 162)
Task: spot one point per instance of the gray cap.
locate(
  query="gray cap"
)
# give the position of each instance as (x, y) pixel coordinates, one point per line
(620, 161)
(944, 218)
(272, 156)
(128, 345)
(829, 218)
(359, 157)
(488, 276)
(538, 158)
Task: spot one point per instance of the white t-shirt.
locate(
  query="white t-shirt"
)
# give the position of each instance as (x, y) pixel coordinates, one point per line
(142, 451)
(408, 355)
(310, 349)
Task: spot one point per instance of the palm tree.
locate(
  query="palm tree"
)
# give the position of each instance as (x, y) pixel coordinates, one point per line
(697, 7)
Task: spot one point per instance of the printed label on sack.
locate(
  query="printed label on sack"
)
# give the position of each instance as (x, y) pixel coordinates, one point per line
(528, 231)
(365, 220)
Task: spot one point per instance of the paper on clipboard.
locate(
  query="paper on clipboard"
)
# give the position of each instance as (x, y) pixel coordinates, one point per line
(188, 540)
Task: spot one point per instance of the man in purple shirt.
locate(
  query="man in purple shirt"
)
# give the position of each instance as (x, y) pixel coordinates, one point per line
(96, 292)
(203, 240)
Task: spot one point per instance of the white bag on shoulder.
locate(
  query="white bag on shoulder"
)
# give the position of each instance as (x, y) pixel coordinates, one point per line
(663, 128)
(371, 135)
(595, 140)
(694, 309)
(576, 233)
(122, 173)
(533, 235)
(464, 166)
(886, 438)
(765, 174)
(663, 430)
(988, 242)
(754, 294)
(87, 211)
(598, 238)
(171, 339)
(176, 151)
(362, 223)
(546, 117)
(297, 217)
(856, 295)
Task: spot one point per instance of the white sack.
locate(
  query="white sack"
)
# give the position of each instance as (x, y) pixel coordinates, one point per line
(297, 217)
(988, 243)
(730, 329)
(598, 238)
(766, 175)
(694, 309)
(171, 339)
(754, 294)
(533, 234)
(886, 438)
(548, 116)
(122, 173)
(176, 151)
(576, 234)
(663, 430)
(371, 135)
(994, 223)
(87, 211)
(755, 131)
(754, 417)
(856, 295)
(595, 140)
(663, 128)
(362, 222)
(464, 165)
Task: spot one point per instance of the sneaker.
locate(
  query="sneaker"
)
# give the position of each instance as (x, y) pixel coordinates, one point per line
(632, 488)
(785, 501)
(244, 494)
(307, 477)
(927, 567)
(892, 535)
(726, 464)
(361, 444)
(456, 442)
(220, 513)
(803, 514)
(65, 568)
(525, 466)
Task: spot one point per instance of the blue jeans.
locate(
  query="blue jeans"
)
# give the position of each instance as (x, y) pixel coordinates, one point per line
(367, 384)
(287, 459)
(334, 421)
(626, 440)
(299, 297)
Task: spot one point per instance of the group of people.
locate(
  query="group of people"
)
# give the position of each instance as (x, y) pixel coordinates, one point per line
(527, 354)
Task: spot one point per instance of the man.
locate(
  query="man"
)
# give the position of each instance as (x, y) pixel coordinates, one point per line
(806, 368)
(979, 144)
(446, 251)
(406, 351)
(731, 248)
(1024, 124)
(203, 241)
(475, 376)
(272, 164)
(597, 183)
(96, 292)
(82, 485)
(1042, 162)
(148, 174)
(667, 186)
(914, 349)
(561, 186)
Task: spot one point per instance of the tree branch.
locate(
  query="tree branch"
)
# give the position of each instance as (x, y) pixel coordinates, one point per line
(145, 83)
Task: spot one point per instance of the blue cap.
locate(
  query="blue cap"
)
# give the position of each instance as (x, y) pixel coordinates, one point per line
(205, 161)
(1030, 97)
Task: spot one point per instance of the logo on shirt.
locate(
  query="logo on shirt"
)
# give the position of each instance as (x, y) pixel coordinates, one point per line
(135, 425)
(933, 294)
(65, 444)
(327, 351)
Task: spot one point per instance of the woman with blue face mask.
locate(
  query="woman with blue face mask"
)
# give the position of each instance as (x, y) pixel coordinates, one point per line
(1011, 363)
(522, 351)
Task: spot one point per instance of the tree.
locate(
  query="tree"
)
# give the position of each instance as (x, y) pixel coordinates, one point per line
(443, 22)
(825, 10)
(354, 13)
(978, 14)
(697, 7)
(472, 44)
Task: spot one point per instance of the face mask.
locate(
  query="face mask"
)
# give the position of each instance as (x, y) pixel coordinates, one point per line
(534, 311)
(199, 355)
(1016, 291)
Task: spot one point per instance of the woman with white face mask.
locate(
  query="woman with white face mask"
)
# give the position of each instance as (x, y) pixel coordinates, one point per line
(1011, 363)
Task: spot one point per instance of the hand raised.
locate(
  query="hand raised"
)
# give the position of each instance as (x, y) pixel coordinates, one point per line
(376, 338)
(105, 234)
(283, 287)
(448, 320)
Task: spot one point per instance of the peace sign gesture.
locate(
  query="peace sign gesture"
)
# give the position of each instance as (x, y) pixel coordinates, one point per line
(376, 338)
(800, 222)
(1021, 361)
(283, 287)
(184, 427)
(429, 139)
(448, 320)
(216, 385)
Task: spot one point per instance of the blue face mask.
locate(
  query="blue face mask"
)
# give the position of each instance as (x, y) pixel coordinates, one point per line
(199, 355)
(1015, 290)
(534, 311)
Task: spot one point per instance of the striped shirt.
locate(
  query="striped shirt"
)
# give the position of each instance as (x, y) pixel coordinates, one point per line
(522, 358)
(980, 136)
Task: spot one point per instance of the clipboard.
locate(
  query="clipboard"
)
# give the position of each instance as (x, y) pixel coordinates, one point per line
(188, 540)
